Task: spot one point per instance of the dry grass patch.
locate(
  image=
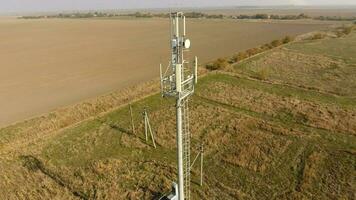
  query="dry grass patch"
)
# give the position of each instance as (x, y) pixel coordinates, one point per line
(287, 109)
(315, 72)
(36, 128)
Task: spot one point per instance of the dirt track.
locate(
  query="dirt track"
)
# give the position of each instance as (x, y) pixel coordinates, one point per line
(45, 64)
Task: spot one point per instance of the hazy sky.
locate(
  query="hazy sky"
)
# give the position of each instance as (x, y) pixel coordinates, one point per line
(58, 5)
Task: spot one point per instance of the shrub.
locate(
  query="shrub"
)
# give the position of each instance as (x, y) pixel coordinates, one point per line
(240, 56)
(287, 39)
(339, 34)
(303, 16)
(194, 15)
(318, 36)
(261, 16)
(211, 66)
(253, 51)
(215, 16)
(262, 74)
(275, 17)
(267, 46)
(276, 43)
(231, 60)
(220, 63)
(347, 30)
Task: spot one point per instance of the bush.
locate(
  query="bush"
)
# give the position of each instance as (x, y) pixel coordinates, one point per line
(211, 66)
(231, 60)
(220, 63)
(303, 16)
(261, 16)
(267, 46)
(318, 36)
(287, 39)
(275, 17)
(240, 56)
(253, 51)
(262, 74)
(276, 43)
(339, 34)
(194, 15)
(347, 30)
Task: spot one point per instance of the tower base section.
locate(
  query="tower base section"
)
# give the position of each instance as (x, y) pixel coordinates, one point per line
(173, 195)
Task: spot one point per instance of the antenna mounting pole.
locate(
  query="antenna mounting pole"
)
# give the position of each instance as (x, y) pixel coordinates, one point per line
(178, 81)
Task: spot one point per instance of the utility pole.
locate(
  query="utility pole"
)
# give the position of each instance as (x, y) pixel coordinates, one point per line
(178, 81)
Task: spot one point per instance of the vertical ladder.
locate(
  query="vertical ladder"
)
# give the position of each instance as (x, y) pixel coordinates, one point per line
(186, 147)
(178, 81)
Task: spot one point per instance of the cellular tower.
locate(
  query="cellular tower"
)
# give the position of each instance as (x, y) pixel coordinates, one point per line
(178, 81)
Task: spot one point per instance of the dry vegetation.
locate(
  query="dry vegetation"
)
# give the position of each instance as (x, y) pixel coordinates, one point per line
(291, 135)
(327, 66)
(329, 117)
(250, 153)
(223, 63)
(20, 133)
(46, 64)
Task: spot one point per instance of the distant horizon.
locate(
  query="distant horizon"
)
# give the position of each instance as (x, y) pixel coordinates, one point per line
(281, 6)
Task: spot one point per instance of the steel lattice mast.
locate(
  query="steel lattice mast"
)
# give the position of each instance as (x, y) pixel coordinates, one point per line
(178, 81)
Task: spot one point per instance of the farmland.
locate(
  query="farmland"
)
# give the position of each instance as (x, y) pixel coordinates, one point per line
(46, 64)
(288, 135)
(314, 11)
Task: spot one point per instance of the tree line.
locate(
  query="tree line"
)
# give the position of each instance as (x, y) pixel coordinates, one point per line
(192, 15)
(223, 63)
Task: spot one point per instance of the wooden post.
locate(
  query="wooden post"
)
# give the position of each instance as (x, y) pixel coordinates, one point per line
(148, 128)
(152, 137)
(132, 121)
(145, 118)
(201, 165)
